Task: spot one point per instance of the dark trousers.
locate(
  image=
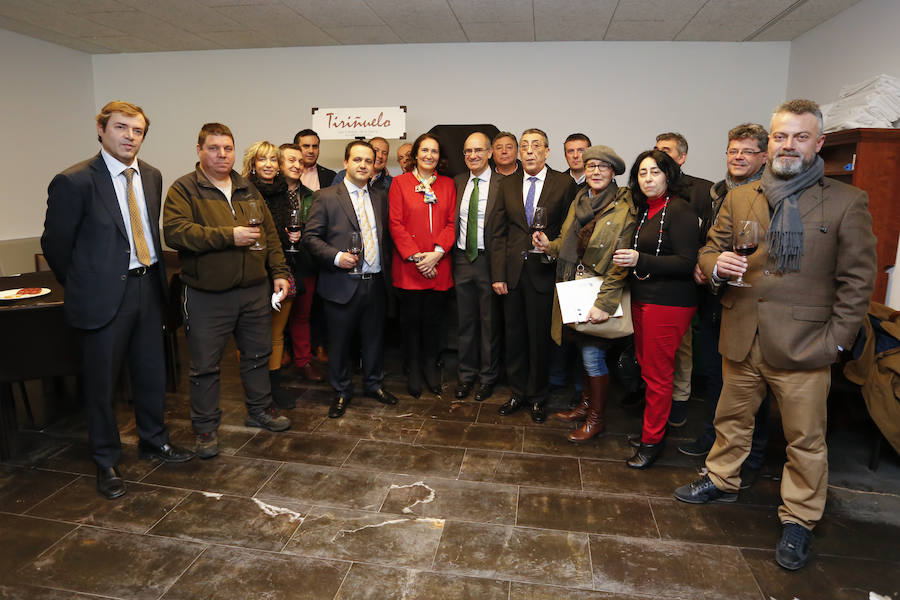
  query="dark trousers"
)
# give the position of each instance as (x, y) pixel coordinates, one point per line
(210, 319)
(710, 312)
(135, 332)
(480, 327)
(422, 318)
(527, 314)
(363, 314)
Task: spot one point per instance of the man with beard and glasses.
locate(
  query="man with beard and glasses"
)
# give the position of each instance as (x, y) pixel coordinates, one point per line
(810, 282)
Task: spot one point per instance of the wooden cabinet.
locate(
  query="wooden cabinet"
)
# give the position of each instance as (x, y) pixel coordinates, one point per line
(870, 160)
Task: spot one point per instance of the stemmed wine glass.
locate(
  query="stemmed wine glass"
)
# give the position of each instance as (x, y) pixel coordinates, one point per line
(356, 250)
(538, 223)
(255, 219)
(746, 241)
(293, 225)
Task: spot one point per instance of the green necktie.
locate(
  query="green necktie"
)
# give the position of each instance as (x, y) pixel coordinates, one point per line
(472, 224)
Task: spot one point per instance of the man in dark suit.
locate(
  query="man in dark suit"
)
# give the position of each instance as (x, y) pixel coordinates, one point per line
(810, 280)
(101, 238)
(527, 279)
(315, 176)
(478, 307)
(696, 192)
(353, 303)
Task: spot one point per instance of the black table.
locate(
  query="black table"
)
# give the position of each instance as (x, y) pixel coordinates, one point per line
(37, 342)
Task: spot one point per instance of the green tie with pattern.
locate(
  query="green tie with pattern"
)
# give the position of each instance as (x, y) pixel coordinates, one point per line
(472, 224)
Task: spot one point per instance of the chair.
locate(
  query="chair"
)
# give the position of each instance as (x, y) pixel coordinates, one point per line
(40, 262)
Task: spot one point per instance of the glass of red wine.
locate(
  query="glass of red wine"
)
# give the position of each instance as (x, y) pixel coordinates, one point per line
(538, 223)
(293, 225)
(356, 250)
(746, 241)
(255, 219)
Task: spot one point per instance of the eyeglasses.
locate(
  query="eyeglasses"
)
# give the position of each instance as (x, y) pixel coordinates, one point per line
(742, 152)
(532, 145)
(598, 166)
(474, 151)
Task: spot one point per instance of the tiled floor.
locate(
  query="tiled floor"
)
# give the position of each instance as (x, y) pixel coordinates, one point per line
(429, 499)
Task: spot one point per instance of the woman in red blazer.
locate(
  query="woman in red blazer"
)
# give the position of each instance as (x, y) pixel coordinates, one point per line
(422, 220)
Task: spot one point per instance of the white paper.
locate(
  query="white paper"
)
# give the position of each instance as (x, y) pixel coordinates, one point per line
(576, 298)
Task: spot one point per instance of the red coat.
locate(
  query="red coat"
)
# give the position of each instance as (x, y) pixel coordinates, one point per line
(411, 232)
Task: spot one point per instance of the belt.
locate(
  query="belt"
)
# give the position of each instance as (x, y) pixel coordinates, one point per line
(141, 271)
(366, 276)
(463, 252)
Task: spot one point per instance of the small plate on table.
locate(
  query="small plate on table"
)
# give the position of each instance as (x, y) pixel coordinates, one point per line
(23, 293)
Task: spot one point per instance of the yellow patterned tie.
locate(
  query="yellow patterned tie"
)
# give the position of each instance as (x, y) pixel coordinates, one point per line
(137, 226)
(366, 227)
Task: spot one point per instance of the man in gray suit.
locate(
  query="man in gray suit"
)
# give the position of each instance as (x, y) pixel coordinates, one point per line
(353, 303)
(478, 306)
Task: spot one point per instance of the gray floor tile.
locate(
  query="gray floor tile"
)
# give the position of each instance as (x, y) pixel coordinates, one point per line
(370, 582)
(328, 486)
(373, 426)
(22, 539)
(449, 499)
(21, 487)
(585, 511)
(222, 474)
(616, 476)
(515, 553)
(309, 448)
(471, 435)
(406, 459)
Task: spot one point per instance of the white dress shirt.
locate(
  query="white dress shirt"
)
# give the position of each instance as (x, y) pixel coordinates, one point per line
(538, 185)
(116, 172)
(484, 182)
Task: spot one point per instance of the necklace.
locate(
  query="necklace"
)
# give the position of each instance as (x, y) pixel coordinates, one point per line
(662, 221)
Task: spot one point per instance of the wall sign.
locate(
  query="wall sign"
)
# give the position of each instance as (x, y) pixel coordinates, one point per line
(368, 121)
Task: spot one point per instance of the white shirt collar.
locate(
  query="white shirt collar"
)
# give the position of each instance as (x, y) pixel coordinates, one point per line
(485, 176)
(541, 175)
(116, 167)
(352, 188)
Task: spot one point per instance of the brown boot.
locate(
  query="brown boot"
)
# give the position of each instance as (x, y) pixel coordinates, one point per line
(595, 422)
(581, 411)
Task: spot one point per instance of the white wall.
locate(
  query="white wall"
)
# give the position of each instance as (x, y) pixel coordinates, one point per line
(620, 93)
(858, 43)
(46, 119)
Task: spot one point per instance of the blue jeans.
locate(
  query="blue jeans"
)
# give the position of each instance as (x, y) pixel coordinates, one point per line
(594, 358)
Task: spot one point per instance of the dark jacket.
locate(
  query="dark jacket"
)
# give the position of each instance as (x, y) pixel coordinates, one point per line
(85, 241)
(278, 201)
(199, 223)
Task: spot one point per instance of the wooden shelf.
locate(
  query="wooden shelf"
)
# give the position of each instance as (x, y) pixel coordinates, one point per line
(877, 155)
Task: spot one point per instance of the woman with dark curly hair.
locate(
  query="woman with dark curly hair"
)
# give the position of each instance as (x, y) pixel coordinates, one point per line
(663, 293)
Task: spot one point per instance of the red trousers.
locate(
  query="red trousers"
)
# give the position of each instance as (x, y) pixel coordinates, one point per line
(299, 323)
(658, 331)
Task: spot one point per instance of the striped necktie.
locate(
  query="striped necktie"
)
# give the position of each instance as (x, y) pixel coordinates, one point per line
(137, 225)
(365, 227)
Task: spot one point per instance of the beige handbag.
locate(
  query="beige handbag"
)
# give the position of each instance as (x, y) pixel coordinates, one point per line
(614, 327)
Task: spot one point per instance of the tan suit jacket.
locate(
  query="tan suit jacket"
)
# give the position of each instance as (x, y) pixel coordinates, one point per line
(801, 317)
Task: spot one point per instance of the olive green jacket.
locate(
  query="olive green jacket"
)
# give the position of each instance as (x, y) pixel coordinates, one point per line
(199, 223)
(618, 218)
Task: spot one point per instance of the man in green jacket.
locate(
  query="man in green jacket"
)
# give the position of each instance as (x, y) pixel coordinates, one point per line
(227, 260)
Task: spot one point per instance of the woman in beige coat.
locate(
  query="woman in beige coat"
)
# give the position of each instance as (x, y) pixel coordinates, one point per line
(600, 216)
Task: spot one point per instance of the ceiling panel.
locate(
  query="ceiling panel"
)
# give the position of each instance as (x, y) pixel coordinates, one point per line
(499, 32)
(100, 26)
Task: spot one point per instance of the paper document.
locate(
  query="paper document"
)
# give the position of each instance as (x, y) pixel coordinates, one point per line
(576, 298)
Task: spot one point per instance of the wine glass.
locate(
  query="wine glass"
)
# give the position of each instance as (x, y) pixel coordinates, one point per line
(746, 241)
(293, 225)
(538, 223)
(356, 250)
(255, 219)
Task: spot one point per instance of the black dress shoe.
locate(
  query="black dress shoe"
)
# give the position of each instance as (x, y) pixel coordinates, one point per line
(484, 391)
(463, 390)
(165, 453)
(538, 414)
(510, 406)
(109, 483)
(645, 456)
(415, 392)
(338, 406)
(382, 395)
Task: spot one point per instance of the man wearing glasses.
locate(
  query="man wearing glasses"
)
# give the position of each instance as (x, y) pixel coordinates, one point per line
(479, 308)
(526, 279)
(746, 159)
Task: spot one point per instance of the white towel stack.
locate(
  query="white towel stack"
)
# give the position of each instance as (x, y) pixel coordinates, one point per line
(871, 103)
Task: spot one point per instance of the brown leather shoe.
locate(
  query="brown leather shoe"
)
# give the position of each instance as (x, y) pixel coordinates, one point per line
(595, 422)
(320, 354)
(311, 373)
(579, 412)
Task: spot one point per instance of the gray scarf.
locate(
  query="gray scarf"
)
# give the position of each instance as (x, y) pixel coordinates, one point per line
(785, 235)
(731, 183)
(586, 208)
